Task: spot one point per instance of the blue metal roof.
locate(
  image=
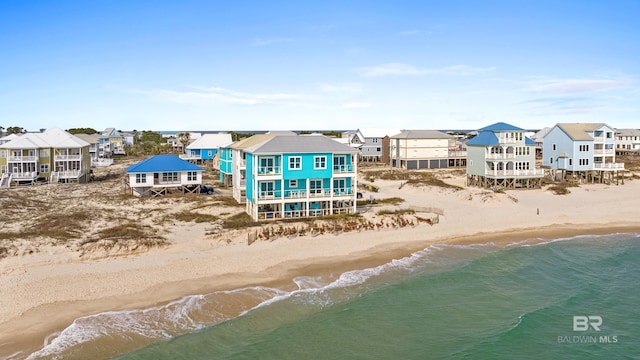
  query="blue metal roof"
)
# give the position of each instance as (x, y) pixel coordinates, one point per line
(500, 126)
(484, 138)
(163, 163)
(528, 141)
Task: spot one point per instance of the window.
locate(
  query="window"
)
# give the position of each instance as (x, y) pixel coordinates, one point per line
(550, 160)
(470, 162)
(3, 153)
(141, 178)
(44, 153)
(319, 162)
(170, 177)
(44, 168)
(570, 162)
(295, 163)
(554, 148)
(293, 184)
(192, 176)
(210, 153)
(315, 186)
(609, 135)
(375, 140)
(378, 149)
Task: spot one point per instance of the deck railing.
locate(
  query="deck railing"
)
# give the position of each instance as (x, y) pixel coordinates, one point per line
(23, 158)
(342, 168)
(268, 170)
(67, 157)
(28, 175)
(608, 166)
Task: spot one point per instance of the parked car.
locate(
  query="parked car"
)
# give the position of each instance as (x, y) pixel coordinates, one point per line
(204, 189)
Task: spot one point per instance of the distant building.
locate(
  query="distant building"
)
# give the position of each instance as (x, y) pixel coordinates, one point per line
(53, 155)
(627, 141)
(500, 156)
(206, 147)
(160, 174)
(425, 149)
(375, 145)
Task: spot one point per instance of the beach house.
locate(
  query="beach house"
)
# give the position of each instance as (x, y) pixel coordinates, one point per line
(206, 147)
(53, 155)
(162, 174)
(299, 176)
(425, 149)
(500, 156)
(375, 145)
(584, 152)
(627, 141)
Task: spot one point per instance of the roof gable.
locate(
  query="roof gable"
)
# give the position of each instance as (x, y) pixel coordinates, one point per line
(300, 144)
(500, 126)
(163, 163)
(484, 138)
(422, 134)
(579, 131)
(211, 141)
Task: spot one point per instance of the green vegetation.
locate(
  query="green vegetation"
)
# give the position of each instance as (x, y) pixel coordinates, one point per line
(239, 221)
(416, 177)
(390, 201)
(88, 131)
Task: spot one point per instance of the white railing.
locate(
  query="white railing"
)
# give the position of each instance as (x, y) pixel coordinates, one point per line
(500, 156)
(507, 140)
(23, 158)
(67, 157)
(342, 168)
(68, 174)
(457, 153)
(319, 192)
(598, 138)
(167, 182)
(514, 172)
(243, 182)
(24, 175)
(343, 191)
(609, 166)
(268, 170)
(189, 157)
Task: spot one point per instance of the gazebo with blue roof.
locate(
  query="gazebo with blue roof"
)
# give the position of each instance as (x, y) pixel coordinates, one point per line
(500, 156)
(157, 175)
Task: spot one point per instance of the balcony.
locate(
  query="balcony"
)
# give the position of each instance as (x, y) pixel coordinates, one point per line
(189, 157)
(341, 169)
(76, 157)
(29, 175)
(516, 173)
(502, 156)
(457, 153)
(608, 166)
(303, 194)
(68, 174)
(603, 151)
(269, 170)
(23, 159)
(598, 139)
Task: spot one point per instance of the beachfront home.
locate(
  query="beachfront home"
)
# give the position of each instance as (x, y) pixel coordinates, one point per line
(375, 147)
(233, 162)
(500, 156)
(425, 149)
(53, 155)
(160, 174)
(627, 141)
(299, 176)
(581, 152)
(206, 147)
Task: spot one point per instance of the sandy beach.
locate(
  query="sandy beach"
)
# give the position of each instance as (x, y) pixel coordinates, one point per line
(47, 284)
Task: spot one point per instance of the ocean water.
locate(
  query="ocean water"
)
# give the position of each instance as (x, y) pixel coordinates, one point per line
(574, 298)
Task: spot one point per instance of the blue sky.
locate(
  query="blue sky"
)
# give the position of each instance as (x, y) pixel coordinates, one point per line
(275, 65)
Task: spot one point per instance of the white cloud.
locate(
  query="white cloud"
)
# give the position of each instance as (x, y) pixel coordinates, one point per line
(356, 105)
(402, 69)
(269, 41)
(341, 87)
(201, 95)
(567, 86)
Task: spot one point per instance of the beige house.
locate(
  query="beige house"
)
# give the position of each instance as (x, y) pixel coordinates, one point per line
(425, 149)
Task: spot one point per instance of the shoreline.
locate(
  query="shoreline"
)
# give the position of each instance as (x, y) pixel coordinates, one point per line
(61, 314)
